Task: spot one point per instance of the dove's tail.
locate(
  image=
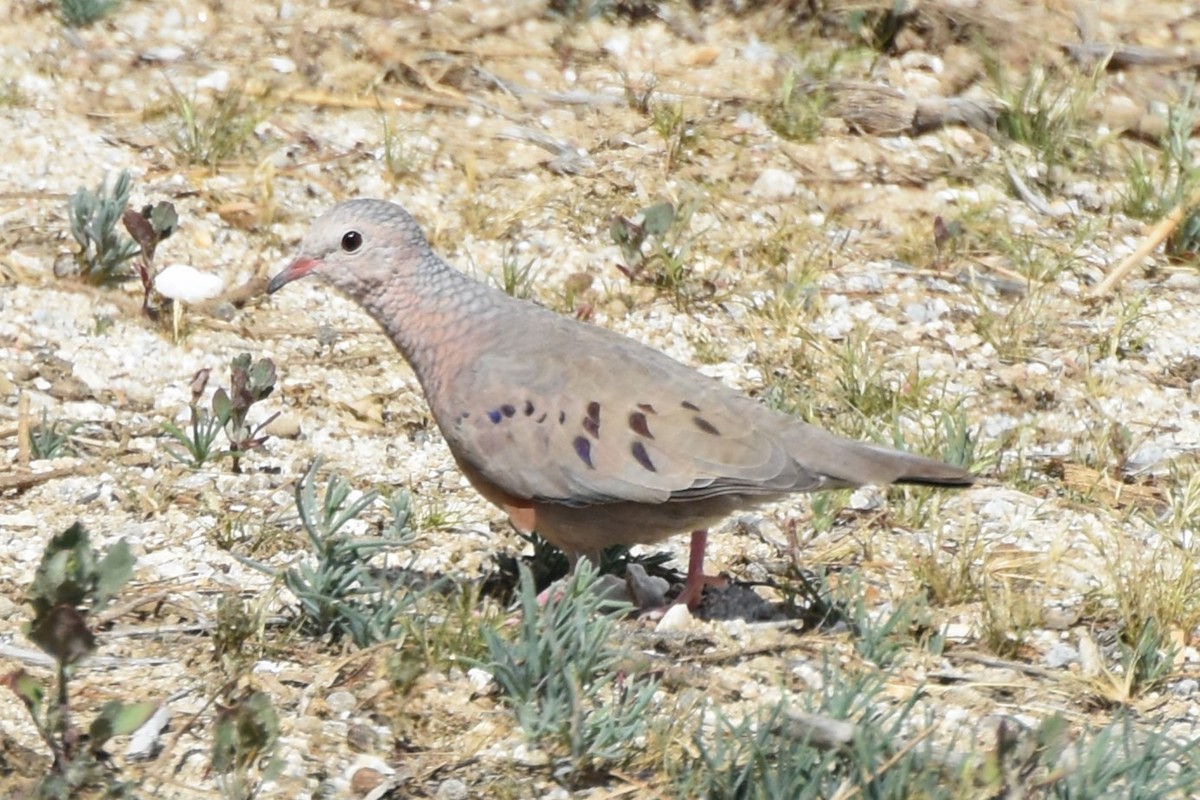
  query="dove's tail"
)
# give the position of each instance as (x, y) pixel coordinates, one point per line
(844, 462)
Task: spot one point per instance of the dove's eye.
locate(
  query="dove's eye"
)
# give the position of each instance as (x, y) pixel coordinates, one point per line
(351, 241)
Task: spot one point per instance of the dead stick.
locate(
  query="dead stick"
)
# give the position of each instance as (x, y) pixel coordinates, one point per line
(1160, 232)
(24, 437)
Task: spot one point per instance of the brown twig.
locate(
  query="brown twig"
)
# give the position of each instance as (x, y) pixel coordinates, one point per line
(1156, 237)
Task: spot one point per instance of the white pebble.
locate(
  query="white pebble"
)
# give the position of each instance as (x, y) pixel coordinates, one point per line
(774, 184)
(186, 283)
(677, 618)
(217, 80)
(166, 53)
(481, 679)
(341, 702)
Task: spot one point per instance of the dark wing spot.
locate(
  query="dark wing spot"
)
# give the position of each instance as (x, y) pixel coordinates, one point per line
(591, 423)
(562, 417)
(507, 410)
(637, 424)
(690, 406)
(583, 449)
(642, 457)
(528, 408)
(542, 418)
(706, 426)
(494, 416)
(464, 415)
(649, 409)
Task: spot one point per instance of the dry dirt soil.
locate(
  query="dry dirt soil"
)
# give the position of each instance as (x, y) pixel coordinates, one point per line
(894, 226)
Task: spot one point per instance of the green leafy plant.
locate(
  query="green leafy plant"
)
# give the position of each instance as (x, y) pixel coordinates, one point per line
(72, 582)
(517, 277)
(1119, 760)
(148, 227)
(781, 751)
(1045, 111)
(340, 595)
(1155, 190)
(564, 676)
(851, 741)
(655, 249)
(880, 638)
(210, 133)
(49, 439)
(1146, 658)
(399, 155)
(249, 383)
(245, 737)
(631, 236)
(671, 123)
(82, 13)
(443, 631)
(204, 427)
(93, 217)
(236, 637)
(799, 112)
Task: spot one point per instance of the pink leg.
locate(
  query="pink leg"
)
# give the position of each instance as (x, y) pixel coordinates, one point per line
(693, 587)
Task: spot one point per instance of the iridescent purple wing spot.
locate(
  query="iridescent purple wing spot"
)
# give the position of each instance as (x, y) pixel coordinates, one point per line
(642, 457)
(583, 449)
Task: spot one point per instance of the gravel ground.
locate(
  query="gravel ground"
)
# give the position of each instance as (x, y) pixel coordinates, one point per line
(1084, 428)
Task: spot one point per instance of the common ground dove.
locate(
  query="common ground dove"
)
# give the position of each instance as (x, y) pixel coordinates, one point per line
(585, 436)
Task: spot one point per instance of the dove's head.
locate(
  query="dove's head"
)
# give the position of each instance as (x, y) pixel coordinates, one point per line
(358, 246)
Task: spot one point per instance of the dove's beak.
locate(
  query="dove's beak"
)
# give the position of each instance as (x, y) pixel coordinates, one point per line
(297, 269)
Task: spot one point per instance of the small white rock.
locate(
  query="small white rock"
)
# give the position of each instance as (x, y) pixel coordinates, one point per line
(774, 184)
(677, 618)
(481, 679)
(617, 45)
(145, 741)
(217, 81)
(530, 756)
(282, 64)
(188, 284)
(757, 52)
(166, 53)
(866, 498)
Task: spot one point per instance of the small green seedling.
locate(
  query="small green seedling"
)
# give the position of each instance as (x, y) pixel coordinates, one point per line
(71, 584)
(249, 383)
(93, 216)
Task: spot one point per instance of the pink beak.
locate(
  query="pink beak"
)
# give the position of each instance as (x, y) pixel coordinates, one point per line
(297, 269)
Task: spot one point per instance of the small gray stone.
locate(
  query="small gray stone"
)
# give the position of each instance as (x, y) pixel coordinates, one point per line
(341, 702)
(362, 738)
(452, 789)
(1060, 655)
